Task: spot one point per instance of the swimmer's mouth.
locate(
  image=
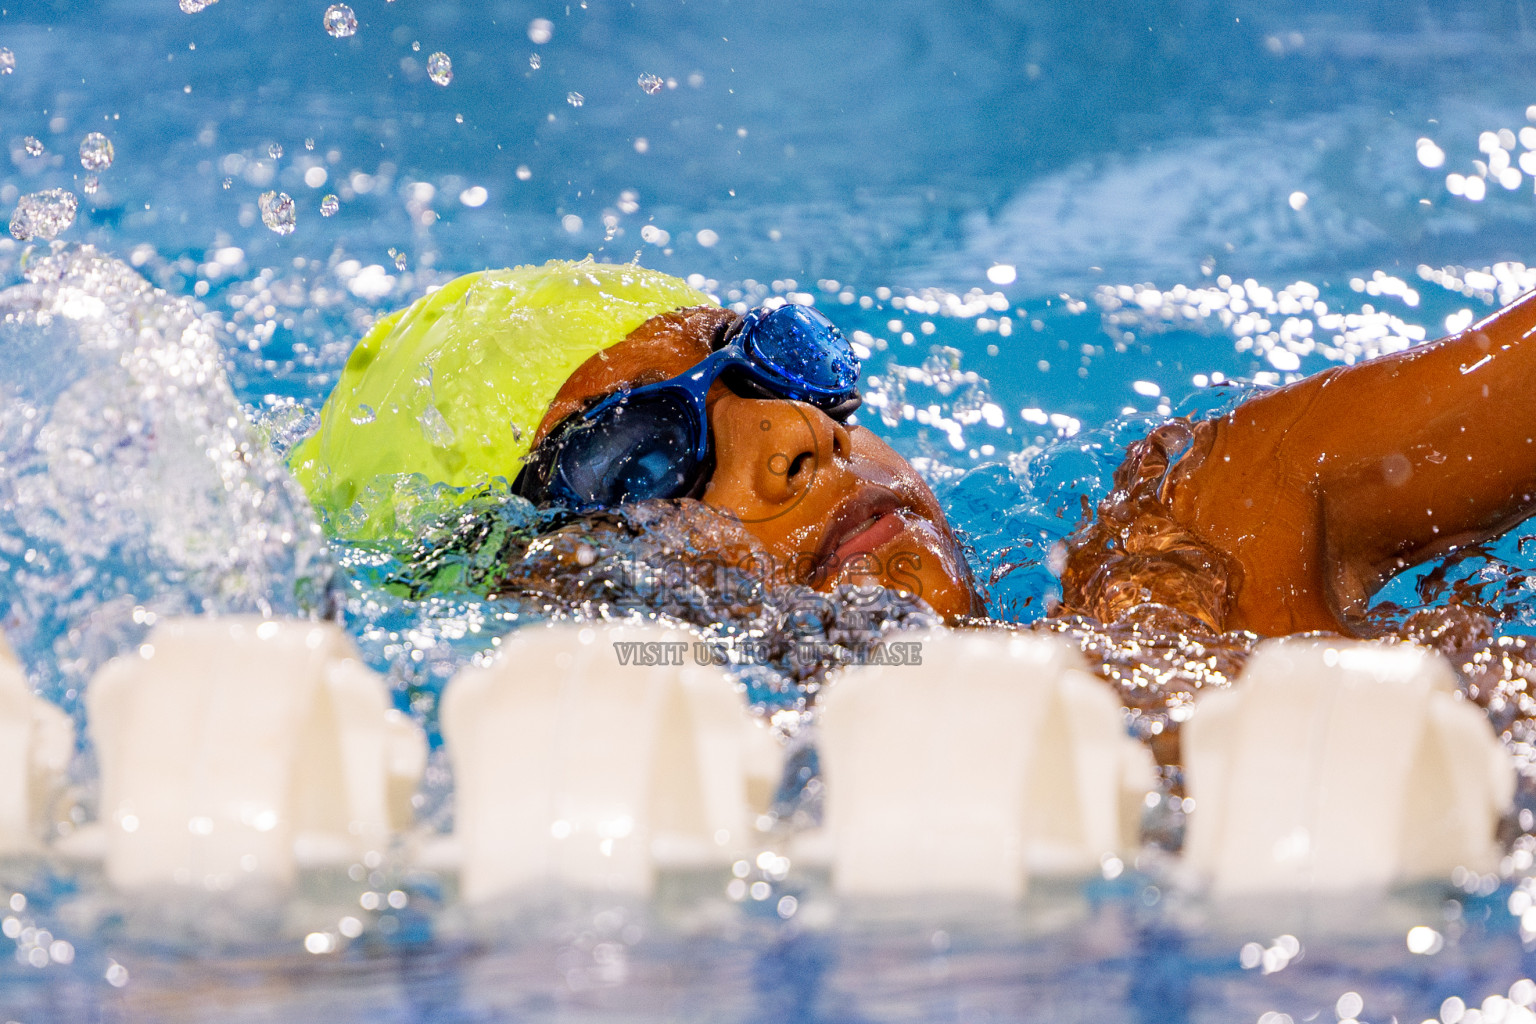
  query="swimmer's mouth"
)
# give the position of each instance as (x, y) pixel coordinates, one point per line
(863, 524)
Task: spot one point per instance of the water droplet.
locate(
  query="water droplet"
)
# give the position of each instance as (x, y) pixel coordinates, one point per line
(364, 415)
(440, 68)
(535, 61)
(575, 99)
(277, 212)
(42, 215)
(459, 118)
(541, 31)
(400, 262)
(91, 184)
(339, 21)
(33, 145)
(523, 173)
(309, 144)
(193, 6)
(651, 84)
(436, 428)
(229, 183)
(329, 204)
(7, 60)
(96, 153)
(275, 151)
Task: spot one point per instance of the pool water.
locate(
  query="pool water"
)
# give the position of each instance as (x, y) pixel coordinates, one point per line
(1049, 223)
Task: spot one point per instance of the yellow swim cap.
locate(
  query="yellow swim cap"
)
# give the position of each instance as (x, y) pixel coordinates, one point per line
(453, 387)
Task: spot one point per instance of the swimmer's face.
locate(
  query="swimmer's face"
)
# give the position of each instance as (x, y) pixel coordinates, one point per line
(831, 503)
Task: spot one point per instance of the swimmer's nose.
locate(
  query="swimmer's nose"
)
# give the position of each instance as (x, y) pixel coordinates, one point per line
(770, 452)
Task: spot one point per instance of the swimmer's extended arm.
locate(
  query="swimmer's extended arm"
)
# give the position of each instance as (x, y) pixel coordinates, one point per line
(1321, 490)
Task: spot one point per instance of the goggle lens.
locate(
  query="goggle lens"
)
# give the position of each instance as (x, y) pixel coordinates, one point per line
(641, 449)
(800, 344)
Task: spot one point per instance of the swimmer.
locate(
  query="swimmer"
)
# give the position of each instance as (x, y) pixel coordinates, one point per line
(1289, 512)
(748, 416)
(1282, 516)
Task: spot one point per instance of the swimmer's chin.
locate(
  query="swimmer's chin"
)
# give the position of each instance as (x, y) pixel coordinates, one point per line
(905, 553)
(893, 549)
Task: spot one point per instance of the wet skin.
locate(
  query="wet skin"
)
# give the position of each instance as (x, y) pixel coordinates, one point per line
(830, 504)
(1308, 498)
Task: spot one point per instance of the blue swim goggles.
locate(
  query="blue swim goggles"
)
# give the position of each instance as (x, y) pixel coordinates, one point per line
(653, 441)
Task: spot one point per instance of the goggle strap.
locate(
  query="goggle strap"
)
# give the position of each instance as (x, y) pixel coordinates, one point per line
(846, 408)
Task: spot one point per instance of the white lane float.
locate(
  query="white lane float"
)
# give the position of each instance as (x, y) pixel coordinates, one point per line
(593, 756)
(37, 740)
(237, 749)
(1336, 765)
(596, 756)
(996, 757)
